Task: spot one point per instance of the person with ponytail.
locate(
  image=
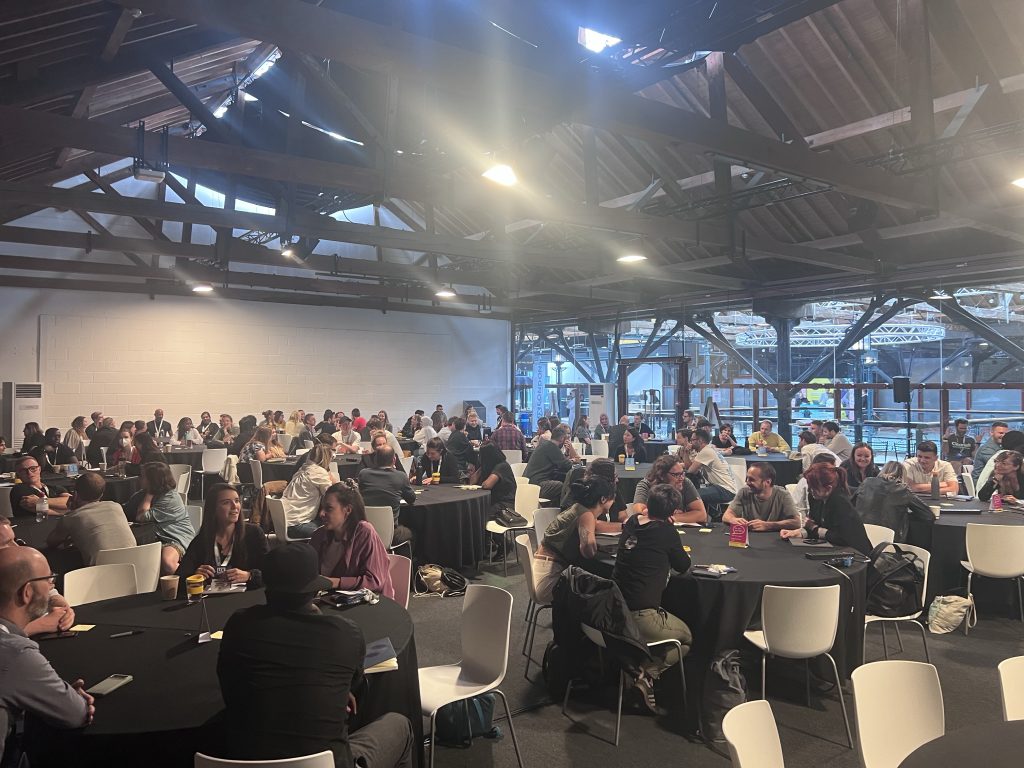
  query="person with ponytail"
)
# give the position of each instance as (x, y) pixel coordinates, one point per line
(570, 538)
(831, 516)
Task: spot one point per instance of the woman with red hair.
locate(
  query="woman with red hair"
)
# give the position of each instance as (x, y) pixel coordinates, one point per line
(831, 516)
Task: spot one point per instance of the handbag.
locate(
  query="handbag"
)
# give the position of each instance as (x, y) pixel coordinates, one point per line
(432, 579)
(947, 612)
(508, 517)
(895, 582)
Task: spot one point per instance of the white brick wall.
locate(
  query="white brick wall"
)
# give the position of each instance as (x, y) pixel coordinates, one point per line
(126, 355)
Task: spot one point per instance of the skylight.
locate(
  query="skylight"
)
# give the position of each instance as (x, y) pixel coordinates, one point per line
(595, 41)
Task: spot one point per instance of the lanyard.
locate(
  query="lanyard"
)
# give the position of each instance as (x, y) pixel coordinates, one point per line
(218, 557)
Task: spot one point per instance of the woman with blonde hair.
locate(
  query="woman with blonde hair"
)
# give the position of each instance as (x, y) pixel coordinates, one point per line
(302, 495)
(293, 426)
(75, 437)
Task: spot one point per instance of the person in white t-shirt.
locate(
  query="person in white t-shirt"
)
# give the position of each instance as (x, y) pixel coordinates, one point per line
(719, 484)
(809, 447)
(348, 439)
(920, 469)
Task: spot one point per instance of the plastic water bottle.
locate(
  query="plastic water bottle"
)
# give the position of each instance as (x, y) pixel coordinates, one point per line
(935, 486)
(42, 509)
(996, 503)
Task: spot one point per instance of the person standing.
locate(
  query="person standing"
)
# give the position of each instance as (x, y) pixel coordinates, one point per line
(97, 422)
(75, 438)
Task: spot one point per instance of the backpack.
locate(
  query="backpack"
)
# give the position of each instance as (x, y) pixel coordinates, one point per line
(434, 579)
(895, 582)
(450, 726)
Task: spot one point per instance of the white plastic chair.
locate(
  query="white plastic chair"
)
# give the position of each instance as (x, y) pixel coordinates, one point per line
(518, 468)
(364, 445)
(195, 514)
(799, 623)
(1011, 684)
(302, 451)
(926, 558)
(333, 469)
(213, 463)
(280, 521)
(285, 440)
(486, 620)
(307, 444)
(515, 456)
(319, 760)
(996, 551)
(179, 471)
(527, 501)
(898, 705)
(599, 449)
(99, 582)
(145, 558)
(400, 570)
(738, 465)
(578, 447)
(184, 483)
(383, 521)
(969, 483)
(878, 534)
(542, 518)
(533, 607)
(407, 462)
(753, 736)
(257, 474)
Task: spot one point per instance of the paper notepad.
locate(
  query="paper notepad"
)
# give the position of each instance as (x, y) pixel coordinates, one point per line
(380, 657)
(82, 627)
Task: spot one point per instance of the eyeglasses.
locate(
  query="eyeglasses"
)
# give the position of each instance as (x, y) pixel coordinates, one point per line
(33, 468)
(51, 578)
(680, 473)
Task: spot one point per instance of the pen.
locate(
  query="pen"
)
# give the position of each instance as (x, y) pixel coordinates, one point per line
(129, 633)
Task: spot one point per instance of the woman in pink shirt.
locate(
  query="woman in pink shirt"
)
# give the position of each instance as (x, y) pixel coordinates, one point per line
(351, 553)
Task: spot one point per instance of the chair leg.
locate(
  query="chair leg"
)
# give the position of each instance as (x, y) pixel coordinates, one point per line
(899, 638)
(504, 553)
(764, 666)
(967, 628)
(924, 640)
(842, 701)
(1020, 599)
(533, 637)
(565, 701)
(529, 616)
(511, 728)
(618, 713)
(433, 737)
(885, 642)
(807, 680)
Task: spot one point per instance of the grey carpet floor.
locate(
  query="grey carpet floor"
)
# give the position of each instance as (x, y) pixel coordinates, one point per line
(811, 736)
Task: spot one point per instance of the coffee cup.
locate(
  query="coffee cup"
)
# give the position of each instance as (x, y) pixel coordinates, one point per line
(169, 587)
(194, 585)
(936, 510)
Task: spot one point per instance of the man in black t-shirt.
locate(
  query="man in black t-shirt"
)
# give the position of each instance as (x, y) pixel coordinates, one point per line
(287, 671)
(25, 494)
(959, 445)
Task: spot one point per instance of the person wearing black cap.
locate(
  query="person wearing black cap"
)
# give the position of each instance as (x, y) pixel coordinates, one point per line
(286, 672)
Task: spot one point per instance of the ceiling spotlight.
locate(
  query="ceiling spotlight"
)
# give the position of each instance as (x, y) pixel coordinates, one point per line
(202, 288)
(445, 293)
(287, 247)
(1018, 182)
(631, 258)
(939, 295)
(501, 174)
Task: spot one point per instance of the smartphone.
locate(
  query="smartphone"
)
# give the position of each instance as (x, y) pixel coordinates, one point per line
(54, 635)
(109, 685)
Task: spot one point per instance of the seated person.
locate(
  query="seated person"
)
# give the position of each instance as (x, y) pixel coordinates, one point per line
(159, 502)
(423, 430)
(599, 467)
(570, 539)
(307, 434)
(760, 504)
(1006, 478)
(548, 466)
(302, 495)
(375, 425)
(378, 441)
(246, 430)
(808, 447)
(91, 525)
(33, 437)
(225, 434)
(290, 651)
(25, 494)
(52, 452)
(384, 485)
(668, 469)
(186, 431)
(921, 468)
(1012, 440)
(104, 437)
(225, 541)
(257, 447)
(832, 516)
(350, 553)
(435, 460)
(629, 445)
(459, 447)
(648, 550)
(348, 439)
(886, 500)
(124, 450)
(274, 448)
(57, 615)
(543, 432)
(718, 484)
(725, 442)
(495, 475)
(860, 466)
(765, 437)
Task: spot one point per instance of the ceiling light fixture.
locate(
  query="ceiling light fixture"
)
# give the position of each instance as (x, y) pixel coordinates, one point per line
(445, 293)
(631, 258)
(202, 288)
(1018, 182)
(939, 295)
(500, 173)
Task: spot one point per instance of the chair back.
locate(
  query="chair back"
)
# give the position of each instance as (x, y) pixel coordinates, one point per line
(407, 462)
(383, 521)
(307, 444)
(513, 457)
(302, 451)
(400, 569)
(486, 620)
(179, 470)
(518, 468)
(799, 622)
(898, 705)
(879, 534)
(542, 518)
(968, 483)
(5, 503)
(364, 445)
(319, 760)
(996, 551)
(213, 460)
(1011, 683)
(527, 500)
(333, 469)
(99, 582)
(752, 736)
(599, 448)
(285, 440)
(578, 447)
(525, 547)
(184, 483)
(278, 518)
(195, 514)
(257, 473)
(145, 558)
(738, 467)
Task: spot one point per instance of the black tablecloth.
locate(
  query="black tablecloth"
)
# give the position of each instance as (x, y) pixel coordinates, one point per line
(118, 489)
(787, 470)
(656, 448)
(191, 456)
(996, 745)
(276, 470)
(173, 706)
(629, 479)
(448, 524)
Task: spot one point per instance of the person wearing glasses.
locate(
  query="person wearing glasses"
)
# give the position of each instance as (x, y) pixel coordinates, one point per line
(60, 617)
(26, 493)
(668, 469)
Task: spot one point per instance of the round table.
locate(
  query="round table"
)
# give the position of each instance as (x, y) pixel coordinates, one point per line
(173, 707)
(448, 523)
(281, 469)
(628, 479)
(656, 448)
(787, 470)
(997, 745)
(182, 455)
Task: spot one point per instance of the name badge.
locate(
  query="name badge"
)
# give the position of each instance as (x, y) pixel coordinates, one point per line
(630, 464)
